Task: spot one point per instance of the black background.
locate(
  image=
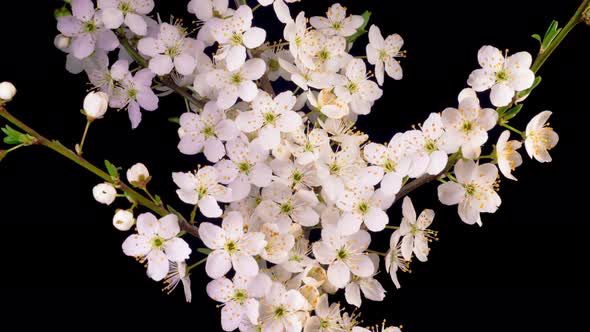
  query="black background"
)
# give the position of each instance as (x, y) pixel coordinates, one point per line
(524, 270)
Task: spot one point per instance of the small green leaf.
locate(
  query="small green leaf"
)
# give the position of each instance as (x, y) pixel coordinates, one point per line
(550, 35)
(15, 137)
(174, 120)
(361, 30)
(205, 251)
(63, 11)
(158, 200)
(511, 113)
(537, 37)
(11, 140)
(112, 170)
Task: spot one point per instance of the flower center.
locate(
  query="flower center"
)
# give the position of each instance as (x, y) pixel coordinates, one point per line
(342, 254)
(286, 208)
(467, 126)
(236, 78)
(297, 176)
(389, 166)
(337, 26)
(90, 26)
(470, 189)
(308, 147)
(231, 247)
(296, 258)
(270, 118)
(208, 131)
(237, 39)
(501, 76)
(125, 7)
(202, 191)
(430, 146)
(240, 296)
(334, 168)
(273, 65)
(324, 55)
(324, 324)
(244, 167)
(157, 242)
(382, 54)
(132, 93)
(353, 87)
(363, 207)
(279, 312)
(173, 51)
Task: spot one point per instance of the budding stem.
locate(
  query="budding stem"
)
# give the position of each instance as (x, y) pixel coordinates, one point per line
(80, 146)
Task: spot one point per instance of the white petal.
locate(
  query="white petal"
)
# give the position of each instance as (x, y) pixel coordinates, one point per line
(376, 219)
(161, 64)
(352, 293)
(254, 37)
(338, 274)
(136, 23)
(361, 265)
(177, 250)
(220, 290)
(158, 265)
(244, 264)
(501, 95)
(137, 245)
(218, 264)
(451, 193)
(212, 235)
(168, 226)
(209, 207)
(147, 224)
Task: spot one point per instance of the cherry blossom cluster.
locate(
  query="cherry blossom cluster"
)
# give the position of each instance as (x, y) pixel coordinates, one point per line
(292, 192)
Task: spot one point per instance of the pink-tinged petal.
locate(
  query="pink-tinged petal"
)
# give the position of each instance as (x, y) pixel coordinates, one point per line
(501, 95)
(218, 264)
(212, 235)
(261, 175)
(161, 65)
(177, 250)
(169, 227)
(361, 265)
(254, 37)
(191, 143)
(245, 265)
(252, 243)
(249, 121)
(136, 23)
(352, 293)
(252, 310)
(147, 225)
(282, 11)
(158, 265)
(137, 245)
(107, 40)
(235, 57)
(481, 79)
(149, 47)
(253, 69)
(185, 64)
(220, 290)
(147, 99)
(69, 26)
(451, 193)
(270, 137)
(227, 130)
(375, 37)
(213, 149)
(144, 77)
(408, 210)
(338, 274)
(83, 9)
(376, 219)
(83, 45)
(209, 207)
(112, 17)
(227, 98)
(465, 170)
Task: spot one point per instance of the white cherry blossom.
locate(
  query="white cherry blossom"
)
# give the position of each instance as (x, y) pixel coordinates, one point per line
(280, 308)
(344, 255)
(203, 189)
(473, 191)
(157, 242)
(280, 205)
(414, 232)
(237, 83)
(540, 138)
(361, 205)
(129, 12)
(507, 156)
(327, 317)
(504, 76)
(370, 287)
(392, 160)
(178, 274)
(382, 53)
(357, 89)
(231, 246)
(206, 132)
(336, 22)
(394, 259)
(134, 92)
(170, 49)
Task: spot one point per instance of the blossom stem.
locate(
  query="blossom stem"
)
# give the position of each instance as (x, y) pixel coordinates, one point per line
(376, 252)
(81, 145)
(507, 126)
(71, 155)
(544, 54)
(256, 7)
(391, 227)
(188, 269)
(13, 148)
(146, 191)
(193, 214)
(164, 80)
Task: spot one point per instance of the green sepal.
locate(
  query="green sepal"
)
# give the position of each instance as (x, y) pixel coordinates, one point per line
(550, 35)
(537, 37)
(205, 251)
(511, 113)
(361, 30)
(15, 137)
(61, 12)
(174, 120)
(112, 170)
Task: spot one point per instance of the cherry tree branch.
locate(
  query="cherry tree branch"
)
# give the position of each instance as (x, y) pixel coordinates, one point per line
(71, 155)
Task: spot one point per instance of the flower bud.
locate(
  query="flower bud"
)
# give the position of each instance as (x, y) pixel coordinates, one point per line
(104, 193)
(138, 175)
(586, 16)
(311, 294)
(95, 105)
(7, 91)
(62, 42)
(314, 275)
(123, 220)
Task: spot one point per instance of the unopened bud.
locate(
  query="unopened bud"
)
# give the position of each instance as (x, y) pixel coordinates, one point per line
(7, 91)
(138, 175)
(62, 42)
(586, 16)
(96, 105)
(123, 220)
(104, 193)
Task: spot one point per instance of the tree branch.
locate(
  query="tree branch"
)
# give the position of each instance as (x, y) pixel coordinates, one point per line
(61, 149)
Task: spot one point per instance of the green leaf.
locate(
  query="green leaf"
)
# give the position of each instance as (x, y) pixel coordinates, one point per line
(550, 35)
(15, 137)
(158, 200)
(11, 140)
(174, 120)
(112, 170)
(63, 11)
(537, 37)
(361, 30)
(511, 113)
(205, 251)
